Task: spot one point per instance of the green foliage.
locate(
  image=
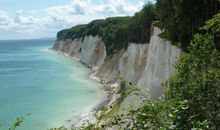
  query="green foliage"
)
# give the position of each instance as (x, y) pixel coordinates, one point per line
(107, 29)
(150, 116)
(122, 89)
(192, 98)
(17, 123)
(116, 32)
(60, 128)
(139, 26)
(89, 127)
(198, 82)
(181, 19)
(72, 33)
(213, 24)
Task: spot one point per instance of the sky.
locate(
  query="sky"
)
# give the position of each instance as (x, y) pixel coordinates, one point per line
(29, 19)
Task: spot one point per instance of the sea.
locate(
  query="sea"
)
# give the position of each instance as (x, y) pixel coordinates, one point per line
(43, 88)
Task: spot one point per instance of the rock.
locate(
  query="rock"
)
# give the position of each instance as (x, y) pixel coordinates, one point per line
(146, 66)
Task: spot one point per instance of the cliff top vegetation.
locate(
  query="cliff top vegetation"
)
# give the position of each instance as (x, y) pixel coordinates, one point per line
(180, 20)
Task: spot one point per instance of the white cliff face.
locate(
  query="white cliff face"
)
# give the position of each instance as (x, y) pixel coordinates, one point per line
(69, 47)
(128, 63)
(62, 46)
(147, 66)
(93, 51)
(75, 48)
(88, 47)
(109, 70)
(132, 62)
(160, 65)
(90, 50)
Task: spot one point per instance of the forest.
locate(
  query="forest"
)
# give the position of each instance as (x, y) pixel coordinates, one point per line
(180, 19)
(116, 32)
(192, 95)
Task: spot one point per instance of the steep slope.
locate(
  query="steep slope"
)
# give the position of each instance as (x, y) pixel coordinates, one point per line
(89, 50)
(144, 65)
(159, 66)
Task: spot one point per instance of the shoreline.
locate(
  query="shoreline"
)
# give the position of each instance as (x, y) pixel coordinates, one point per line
(89, 116)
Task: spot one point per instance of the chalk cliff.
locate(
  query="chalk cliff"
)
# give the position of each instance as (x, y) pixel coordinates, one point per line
(89, 50)
(145, 65)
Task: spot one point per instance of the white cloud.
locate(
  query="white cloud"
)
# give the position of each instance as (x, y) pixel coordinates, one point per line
(24, 20)
(5, 20)
(83, 11)
(64, 16)
(86, 7)
(21, 24)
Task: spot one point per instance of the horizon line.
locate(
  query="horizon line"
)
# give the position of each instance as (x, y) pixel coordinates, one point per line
(28, 39)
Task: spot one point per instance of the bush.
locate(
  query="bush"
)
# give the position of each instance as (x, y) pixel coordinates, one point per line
(198, 81)
(192, 97)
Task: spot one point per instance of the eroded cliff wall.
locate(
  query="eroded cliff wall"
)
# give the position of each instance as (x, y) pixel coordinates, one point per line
(160, 61)
(158, 65)
(89, 50)
(145, 65)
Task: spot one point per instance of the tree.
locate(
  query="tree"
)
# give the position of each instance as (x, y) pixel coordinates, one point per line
(192, 97)
(197, 81)
(181, 19)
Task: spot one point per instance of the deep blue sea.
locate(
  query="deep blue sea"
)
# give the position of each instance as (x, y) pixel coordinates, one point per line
(45, 88)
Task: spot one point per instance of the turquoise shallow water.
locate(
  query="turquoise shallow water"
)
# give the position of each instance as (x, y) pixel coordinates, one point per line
(51, 87)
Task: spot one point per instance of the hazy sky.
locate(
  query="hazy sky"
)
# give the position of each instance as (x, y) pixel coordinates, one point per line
(25, 19)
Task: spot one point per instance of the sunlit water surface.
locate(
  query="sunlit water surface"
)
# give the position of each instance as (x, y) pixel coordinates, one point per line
(45, 88)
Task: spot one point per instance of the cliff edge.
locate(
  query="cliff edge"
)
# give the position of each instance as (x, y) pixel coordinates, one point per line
(146, 66)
